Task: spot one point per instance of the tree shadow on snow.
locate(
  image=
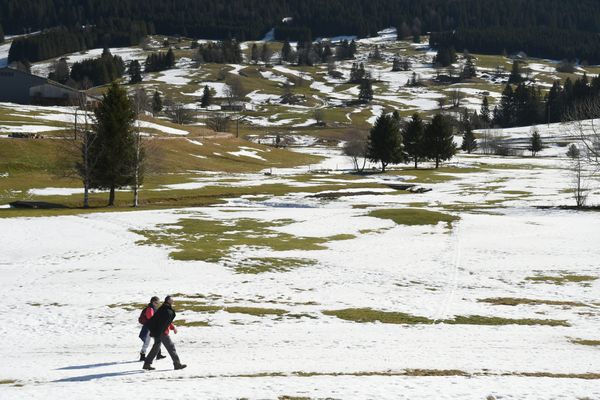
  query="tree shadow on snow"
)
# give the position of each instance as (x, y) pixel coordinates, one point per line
(107, 364)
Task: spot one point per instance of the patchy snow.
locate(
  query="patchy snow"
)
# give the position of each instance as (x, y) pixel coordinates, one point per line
(4, 49)
(376, 111)
(269, 36)
(308, 122)
(177, 77)
(247, 153)
(162, 128)
(297, 73)
(126, 53)
(29, 128)
(218, 87)
(261, 98)
(321, 87)
(274, 77)
(50, 191)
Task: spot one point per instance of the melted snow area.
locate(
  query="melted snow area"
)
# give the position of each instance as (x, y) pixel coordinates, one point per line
(60, 274)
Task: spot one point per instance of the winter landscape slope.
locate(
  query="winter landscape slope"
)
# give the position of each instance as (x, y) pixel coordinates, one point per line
(292, 277)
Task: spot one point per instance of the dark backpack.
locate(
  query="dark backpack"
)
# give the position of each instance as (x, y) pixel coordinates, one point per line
(142, 318)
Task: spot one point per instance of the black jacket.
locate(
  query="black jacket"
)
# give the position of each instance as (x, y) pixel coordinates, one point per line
(160, 321)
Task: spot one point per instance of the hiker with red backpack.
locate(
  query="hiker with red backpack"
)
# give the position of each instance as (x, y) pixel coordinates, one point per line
(145, 316)
(160, 325)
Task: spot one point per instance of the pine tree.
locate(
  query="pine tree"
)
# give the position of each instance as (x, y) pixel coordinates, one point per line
(157, 103)
(412, 136)
(439, 140)
(266, 53)
(469, 70)
(286, 52)
(385, 142)
(254, 53)
(170, 59)
(135, 72)
(573, 152)
(365, 94)
(469, 143)
(515, 74)
(536, 142)
(206, 97)
(115, 141)
(485, 111)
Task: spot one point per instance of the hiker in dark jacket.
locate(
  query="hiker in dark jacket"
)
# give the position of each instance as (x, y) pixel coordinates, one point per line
(145, 316)
(160, 325)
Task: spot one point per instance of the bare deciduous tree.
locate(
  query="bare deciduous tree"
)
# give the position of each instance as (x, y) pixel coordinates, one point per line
(77, 157)
(581, 126)
(218, 122)
(234, 91)
(580, 185)
(319, 116)
(178, 113)
(356, 147)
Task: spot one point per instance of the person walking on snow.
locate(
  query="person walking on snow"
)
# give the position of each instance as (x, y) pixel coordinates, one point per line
(145, 316)
(159, 326)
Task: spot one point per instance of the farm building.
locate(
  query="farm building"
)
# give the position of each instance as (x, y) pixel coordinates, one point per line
(20, 87)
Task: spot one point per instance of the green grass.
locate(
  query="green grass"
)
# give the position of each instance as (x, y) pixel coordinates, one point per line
(386, 317)
(370, 315)
(562, 279)
(255, 265)
(413, 216)
(481, 320)
(512, 301)
(192, 324)
(586, 342)
(198, 239)
(256, 311)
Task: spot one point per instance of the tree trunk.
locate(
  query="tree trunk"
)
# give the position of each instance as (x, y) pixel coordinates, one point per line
(437, 162)
(364, 164)
(416, 161)
(111, 197)
(86, 196)
(135, 196)
(383, 165)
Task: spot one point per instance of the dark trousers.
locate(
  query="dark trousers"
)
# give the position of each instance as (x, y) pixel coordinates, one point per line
(169, 345)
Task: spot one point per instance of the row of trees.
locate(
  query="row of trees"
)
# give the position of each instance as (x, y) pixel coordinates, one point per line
(98, 71)
(63, 40)
(160, 61)
(309, 53)
(222, 52)
(569, 27)
(526, 105)
(389, 143)
(263, 55)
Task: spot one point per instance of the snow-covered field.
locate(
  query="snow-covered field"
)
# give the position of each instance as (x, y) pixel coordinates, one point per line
(70, 331)
(65, 277)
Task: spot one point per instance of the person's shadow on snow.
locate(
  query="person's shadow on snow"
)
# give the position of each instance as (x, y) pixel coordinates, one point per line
(85, 378)
(107, 364)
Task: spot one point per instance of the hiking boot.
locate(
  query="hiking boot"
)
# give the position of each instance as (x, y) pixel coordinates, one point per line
(148, 367)
(180, 366)
(160, 356)
(142, 357)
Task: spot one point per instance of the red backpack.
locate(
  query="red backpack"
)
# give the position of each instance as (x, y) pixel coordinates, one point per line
(142, 318)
